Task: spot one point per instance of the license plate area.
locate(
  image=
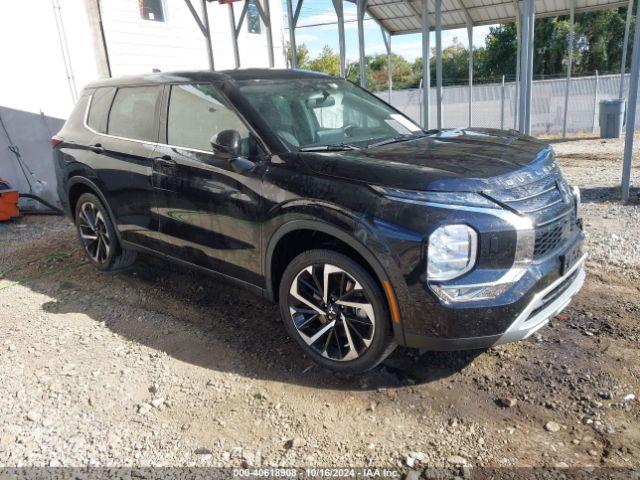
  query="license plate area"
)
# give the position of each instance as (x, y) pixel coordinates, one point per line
(569, 258)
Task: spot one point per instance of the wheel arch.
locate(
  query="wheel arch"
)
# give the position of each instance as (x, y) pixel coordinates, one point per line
(298, 226)
(79, 185)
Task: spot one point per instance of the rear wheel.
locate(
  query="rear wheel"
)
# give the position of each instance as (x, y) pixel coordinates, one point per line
(98, 237)
(335, 311)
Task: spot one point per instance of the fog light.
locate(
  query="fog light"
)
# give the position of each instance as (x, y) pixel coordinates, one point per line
(452, 251)
(467, 293)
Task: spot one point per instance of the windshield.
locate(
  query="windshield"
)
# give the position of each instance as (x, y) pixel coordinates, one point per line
(307, 113)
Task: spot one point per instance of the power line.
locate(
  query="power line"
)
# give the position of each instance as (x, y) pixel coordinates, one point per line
(325, 24)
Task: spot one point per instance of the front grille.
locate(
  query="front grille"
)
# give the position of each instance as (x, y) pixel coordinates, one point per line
(551, 236)
(549, 204)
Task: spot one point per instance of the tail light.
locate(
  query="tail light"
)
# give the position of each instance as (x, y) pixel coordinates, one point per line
(55, 141)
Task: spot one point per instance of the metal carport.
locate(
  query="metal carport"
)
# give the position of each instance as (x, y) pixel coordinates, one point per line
(400, 17)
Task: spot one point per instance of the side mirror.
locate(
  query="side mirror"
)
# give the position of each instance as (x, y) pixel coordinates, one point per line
(227, 142)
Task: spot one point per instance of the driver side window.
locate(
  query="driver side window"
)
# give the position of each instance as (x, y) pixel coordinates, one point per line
(197, 114)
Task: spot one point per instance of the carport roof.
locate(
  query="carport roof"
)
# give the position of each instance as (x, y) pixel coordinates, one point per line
(403, 16)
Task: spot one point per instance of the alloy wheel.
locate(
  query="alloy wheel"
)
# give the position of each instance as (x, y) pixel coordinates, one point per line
(331, 312)
(93, 232)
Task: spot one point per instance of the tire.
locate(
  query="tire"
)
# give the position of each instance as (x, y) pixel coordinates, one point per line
(337, 334)
(98, 236)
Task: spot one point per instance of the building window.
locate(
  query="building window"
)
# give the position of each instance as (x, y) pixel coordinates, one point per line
(253, 17)
(151, 10)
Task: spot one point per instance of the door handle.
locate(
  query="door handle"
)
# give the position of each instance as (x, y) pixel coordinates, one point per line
(165, 161)
(96, 148)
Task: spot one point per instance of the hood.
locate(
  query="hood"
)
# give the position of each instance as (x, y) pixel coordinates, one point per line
(449, 160)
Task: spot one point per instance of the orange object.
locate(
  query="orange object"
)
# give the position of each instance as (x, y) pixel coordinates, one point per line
(8, 204)
(393, 305)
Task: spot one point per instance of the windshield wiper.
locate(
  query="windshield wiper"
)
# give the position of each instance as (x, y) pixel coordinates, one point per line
(332, 147)
(398, 138)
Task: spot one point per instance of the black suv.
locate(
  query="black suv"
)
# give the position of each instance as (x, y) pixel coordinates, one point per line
(307, 189)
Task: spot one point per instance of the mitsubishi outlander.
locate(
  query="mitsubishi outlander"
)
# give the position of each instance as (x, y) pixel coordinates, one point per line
(367, 230)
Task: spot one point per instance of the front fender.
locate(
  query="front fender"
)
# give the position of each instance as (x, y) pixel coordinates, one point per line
(354, 230)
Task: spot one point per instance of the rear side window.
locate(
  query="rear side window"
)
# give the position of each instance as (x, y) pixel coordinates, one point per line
(99, 108)
(133, 113)
(197, 114)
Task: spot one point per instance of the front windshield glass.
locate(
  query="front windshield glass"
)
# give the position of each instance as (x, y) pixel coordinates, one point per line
(307, 113)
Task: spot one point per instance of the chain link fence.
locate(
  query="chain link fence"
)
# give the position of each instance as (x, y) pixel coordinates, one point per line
(489, 109)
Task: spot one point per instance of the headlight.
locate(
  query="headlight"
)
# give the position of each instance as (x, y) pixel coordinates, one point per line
(452, 252)
(467, 199)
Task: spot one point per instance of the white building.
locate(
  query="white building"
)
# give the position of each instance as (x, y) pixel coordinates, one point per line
(49, 49)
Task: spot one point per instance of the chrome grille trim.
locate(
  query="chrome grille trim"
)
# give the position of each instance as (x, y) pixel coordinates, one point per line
(543, 206)
(547, 202)
(553, 187)
(547, 222)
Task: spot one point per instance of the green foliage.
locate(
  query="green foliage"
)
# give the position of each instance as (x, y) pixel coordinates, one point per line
(598, 46)
(327, 62)
(302, 53)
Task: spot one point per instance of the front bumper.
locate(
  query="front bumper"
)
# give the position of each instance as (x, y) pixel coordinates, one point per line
(543, 306)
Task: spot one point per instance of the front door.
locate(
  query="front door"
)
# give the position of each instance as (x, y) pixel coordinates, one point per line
(209, 215)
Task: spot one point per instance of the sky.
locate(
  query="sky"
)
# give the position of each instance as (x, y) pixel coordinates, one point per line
(323, 30)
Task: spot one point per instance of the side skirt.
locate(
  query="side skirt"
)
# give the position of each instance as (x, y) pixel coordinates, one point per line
(232, 280)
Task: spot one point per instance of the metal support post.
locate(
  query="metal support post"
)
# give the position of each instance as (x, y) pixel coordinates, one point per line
(207, 25)
(439, 63)
(361, 9)
(470, 36)
(205, 28)
(532, 23)
(266, 14)
(339, 9)
(524, 66)
(623, 62)
(595, 105)
(292, 35)
(572, 9)
(386, 36)
(426, 70)
(234, 35)
(516, 6)
(502, 105)
(631, 110)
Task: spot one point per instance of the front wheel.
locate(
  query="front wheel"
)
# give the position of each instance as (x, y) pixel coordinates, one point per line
(335, 311)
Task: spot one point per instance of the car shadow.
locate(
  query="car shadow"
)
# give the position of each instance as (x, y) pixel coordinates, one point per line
(608, 194)
(555, 140)
(206, 322)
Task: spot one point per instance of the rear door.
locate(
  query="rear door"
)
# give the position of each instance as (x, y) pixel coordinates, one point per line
(209, 214)
(126, 148)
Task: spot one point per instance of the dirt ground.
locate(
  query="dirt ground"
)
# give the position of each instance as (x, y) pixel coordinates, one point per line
(161, 366)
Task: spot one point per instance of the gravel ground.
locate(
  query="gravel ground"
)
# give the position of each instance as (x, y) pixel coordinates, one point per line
(159, 366)
(595, 165)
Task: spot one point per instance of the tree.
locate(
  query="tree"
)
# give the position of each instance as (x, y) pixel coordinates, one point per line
(498, 56)
(598, 45)
(327, 62)
(401, 73)
(302, 52)
(601, 38)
